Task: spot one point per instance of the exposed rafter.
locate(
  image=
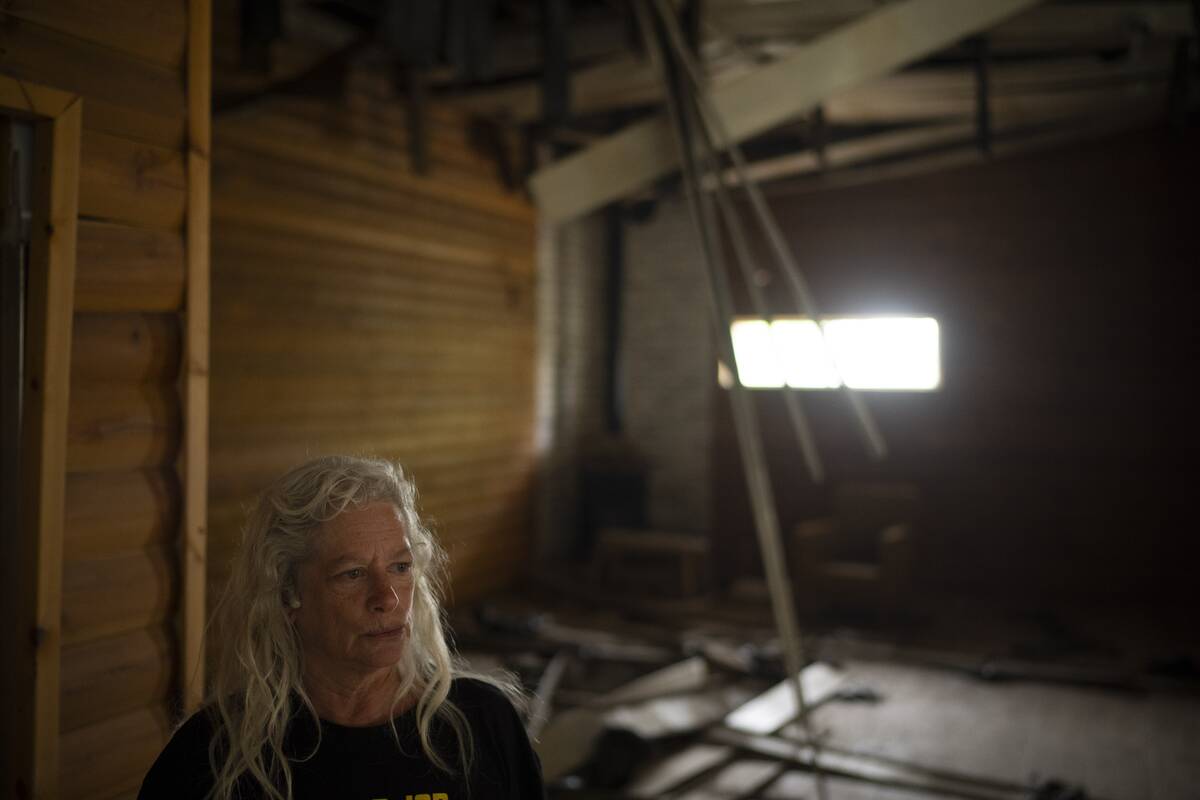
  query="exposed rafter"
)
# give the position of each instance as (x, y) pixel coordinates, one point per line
(853, 54)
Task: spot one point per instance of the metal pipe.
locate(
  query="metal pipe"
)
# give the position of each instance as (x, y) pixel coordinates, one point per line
(744, 259)
(799, 286)
(754, 463)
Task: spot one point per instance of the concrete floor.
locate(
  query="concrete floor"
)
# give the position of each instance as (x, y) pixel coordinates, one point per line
(1134, 744)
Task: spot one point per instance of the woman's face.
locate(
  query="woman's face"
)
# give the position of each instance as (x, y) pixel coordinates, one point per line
(355, 594)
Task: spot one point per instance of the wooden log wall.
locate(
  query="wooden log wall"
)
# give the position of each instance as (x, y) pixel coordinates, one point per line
(120, 677)
(361, 308)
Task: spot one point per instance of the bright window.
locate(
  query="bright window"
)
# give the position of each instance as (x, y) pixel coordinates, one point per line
(883, 353)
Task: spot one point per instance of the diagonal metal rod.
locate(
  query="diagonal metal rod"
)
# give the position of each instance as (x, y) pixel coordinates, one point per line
(745, 262)
(800, 290)
(754, 463)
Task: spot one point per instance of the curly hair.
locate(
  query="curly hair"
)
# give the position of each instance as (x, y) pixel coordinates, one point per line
(258, 674)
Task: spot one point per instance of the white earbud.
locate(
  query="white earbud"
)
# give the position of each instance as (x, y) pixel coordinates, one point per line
(294, 602)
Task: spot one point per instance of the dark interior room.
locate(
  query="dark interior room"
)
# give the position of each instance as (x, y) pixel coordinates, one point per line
(599, 399)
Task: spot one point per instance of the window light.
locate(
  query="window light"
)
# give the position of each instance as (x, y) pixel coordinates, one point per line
(882, 353)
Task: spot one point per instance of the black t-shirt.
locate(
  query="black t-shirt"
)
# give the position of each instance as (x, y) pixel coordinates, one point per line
(365, 764)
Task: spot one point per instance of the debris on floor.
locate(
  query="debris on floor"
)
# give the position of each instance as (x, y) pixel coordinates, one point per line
(687, 699)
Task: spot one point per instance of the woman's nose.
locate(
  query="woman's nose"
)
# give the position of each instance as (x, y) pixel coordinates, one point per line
(384, 597)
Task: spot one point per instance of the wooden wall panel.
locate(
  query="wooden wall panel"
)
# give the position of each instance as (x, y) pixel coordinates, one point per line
(122, 426)
(123, 268)
(125, 96)
(110, 757)
(126, 348)
(59, 59)
(321, 137)
(155, 32)
(117, 594)
(133, 183)
(358, 307)
(116, 512)
(114, 676)
(123, 505)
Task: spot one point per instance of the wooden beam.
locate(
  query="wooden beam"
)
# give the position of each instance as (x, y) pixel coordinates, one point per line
(621, 82)
(908, 95)
(1012, 116)
(30, 99)
(32, 559)
(941, 149)
(857, 52)
(1050, 25)
(194, 455)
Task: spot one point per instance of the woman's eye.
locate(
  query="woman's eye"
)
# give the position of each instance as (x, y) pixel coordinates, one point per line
(357, 572)
(403, 567)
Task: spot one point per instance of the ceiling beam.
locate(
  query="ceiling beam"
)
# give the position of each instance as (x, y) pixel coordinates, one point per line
(1059, 116)
(1049, 25)
(919, 161)
(857, 52)
(909, 95)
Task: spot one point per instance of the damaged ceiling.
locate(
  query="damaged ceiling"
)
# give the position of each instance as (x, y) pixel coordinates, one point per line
(1015, 75)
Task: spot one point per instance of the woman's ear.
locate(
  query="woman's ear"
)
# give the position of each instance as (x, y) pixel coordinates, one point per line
(291, 600)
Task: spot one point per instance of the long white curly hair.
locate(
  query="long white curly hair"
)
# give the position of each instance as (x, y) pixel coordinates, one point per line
(260, 664)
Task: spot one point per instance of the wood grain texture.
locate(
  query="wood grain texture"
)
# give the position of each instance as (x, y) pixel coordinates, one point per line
(113, 676)
(124, 58)
(117, 594)
(323, 138)
(33, 98)
(360, 309)
(45, 442)
(122, 426)
(109, 513)
(147, 127)
(125, 268)
(353, 213)
(37, 53)
(125, 348)
(132, 183)
(195, 372)
(152, 30)
(95, 767)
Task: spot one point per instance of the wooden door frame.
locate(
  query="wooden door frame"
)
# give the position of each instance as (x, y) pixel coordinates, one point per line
(193, 468)
(32, 558)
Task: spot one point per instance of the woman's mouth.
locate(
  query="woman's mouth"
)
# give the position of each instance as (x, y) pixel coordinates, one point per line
(390, 633)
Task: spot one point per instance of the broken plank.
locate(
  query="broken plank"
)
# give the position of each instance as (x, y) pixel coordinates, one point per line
(687, 675)
(684, 766)
(861, 768)
(776, 707)
(543, 699)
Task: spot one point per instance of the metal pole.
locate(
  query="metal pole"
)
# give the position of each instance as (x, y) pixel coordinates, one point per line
(799, 286)
(754, 463)
(744, 259)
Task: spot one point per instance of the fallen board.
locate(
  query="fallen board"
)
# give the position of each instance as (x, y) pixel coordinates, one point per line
(776, 707)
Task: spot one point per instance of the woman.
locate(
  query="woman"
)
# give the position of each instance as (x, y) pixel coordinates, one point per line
(334, 679)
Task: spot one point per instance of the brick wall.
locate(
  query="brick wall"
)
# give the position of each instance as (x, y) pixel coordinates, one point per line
(666, 368)
(669, 365)
(571, 371)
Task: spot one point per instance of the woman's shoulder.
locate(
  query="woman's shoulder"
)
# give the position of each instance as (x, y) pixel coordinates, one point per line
(475, 693)
(182, 769)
